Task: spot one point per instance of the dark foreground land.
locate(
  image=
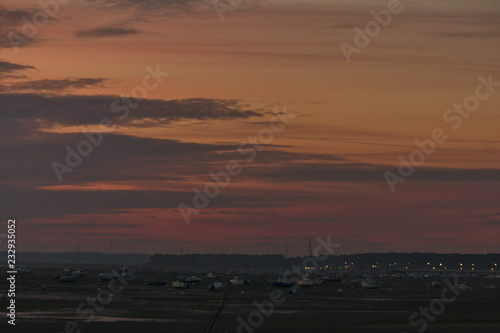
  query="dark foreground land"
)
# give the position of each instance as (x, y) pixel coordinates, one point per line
(141, 308)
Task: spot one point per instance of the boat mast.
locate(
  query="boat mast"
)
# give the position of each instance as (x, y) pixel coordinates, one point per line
(77, 256)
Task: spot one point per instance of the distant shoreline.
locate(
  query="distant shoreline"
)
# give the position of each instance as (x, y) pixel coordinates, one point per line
(363, 261)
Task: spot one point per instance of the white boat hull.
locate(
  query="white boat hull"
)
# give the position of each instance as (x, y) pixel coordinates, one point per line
(180, 284)
(370, 285)
(239, 281)
(68, 278)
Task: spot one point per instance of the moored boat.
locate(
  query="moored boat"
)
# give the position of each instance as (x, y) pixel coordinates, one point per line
(180, 284)
(67, 278)
(192, 279)
(216, 286)
(283, 282)
(105, 277)
(370, 284)
(239, 281)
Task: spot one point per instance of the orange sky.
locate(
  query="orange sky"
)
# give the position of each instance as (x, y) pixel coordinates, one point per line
(323, 174)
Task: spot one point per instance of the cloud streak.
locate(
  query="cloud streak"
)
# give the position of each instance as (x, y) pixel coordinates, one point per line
(12, 21)
(53, 85)
(174, 5)
(89, 110)
(107, 32)
(7, 69)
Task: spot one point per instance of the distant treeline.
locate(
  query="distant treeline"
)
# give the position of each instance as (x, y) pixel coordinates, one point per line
(367, 261)
(271, 262)
(216, 261)
(80, 259)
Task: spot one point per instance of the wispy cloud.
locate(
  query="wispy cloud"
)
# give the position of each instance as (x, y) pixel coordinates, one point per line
(89, 110)
(8, 68)
(107, 32)
(12, 21)
(53, 85)
(178, 5)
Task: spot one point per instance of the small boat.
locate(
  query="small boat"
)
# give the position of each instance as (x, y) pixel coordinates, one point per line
(216, 286)
(67, 278)
(80, 273)
(488, 287)
(436, 284)
(105, 277)
(463, 286)
(25, 270)
(192, 279)
(180, 284)
(239, 281)
(328, 278)
(369, 284)
(127, 275)
(212, 275)
(308, 281)
(283, 282)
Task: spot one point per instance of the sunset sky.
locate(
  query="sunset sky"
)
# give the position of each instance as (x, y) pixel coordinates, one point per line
(323, 174)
